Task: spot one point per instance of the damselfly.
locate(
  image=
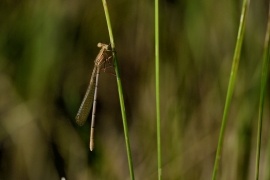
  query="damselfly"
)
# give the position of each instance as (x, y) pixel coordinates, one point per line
(90, 96)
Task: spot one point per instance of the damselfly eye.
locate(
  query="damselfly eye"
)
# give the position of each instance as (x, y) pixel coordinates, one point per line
(109, 47)
(99, 45)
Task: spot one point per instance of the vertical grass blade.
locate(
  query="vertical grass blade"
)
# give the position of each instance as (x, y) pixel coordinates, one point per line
(120, 91)
(262, 95)
(231, 84)
(157, 89)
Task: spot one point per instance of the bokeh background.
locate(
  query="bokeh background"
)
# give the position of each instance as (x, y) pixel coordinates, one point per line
(47, 49)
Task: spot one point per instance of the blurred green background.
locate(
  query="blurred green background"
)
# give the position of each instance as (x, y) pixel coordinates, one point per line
(47, 49)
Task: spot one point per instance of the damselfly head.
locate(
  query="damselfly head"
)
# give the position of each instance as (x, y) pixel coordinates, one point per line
(105, 46)
(102, 45)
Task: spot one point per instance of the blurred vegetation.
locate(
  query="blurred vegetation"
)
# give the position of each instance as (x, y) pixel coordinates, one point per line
(47, 49)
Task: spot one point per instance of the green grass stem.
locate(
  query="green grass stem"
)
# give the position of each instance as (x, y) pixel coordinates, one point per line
(157, 89)
(233, 75)
(262, 95)
(120, 91)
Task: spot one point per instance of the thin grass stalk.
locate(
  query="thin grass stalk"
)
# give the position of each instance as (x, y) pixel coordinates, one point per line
(267, 172)
(262, 95)
(157, 89)
(120, 91)
(233, 75)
